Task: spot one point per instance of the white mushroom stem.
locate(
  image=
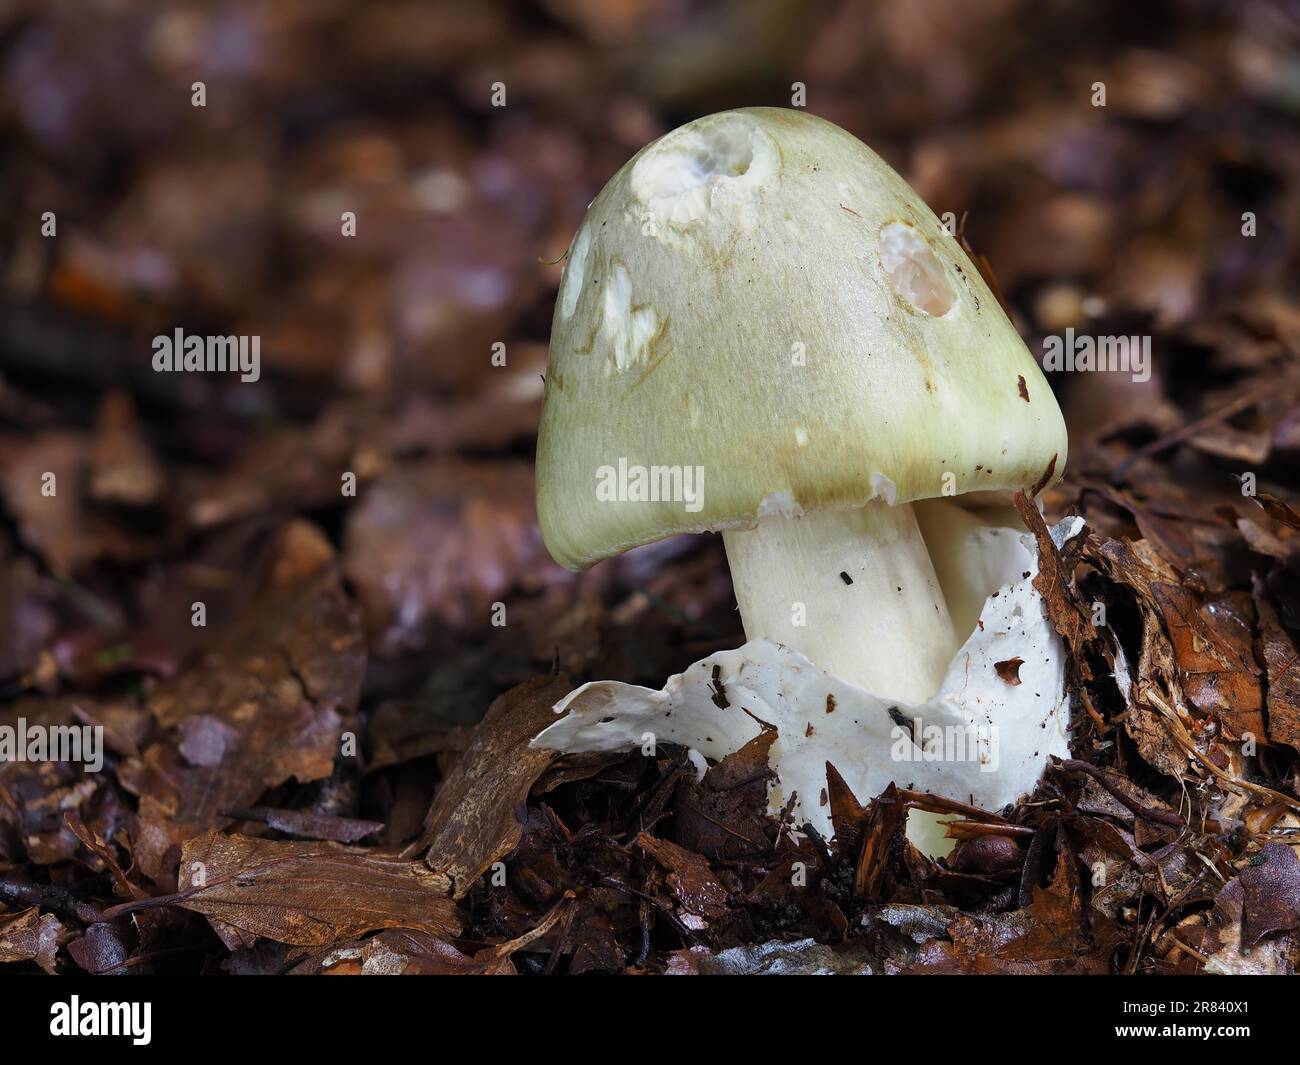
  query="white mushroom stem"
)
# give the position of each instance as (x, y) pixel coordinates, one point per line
(852, 590)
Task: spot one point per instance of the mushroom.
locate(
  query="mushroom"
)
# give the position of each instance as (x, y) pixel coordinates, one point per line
(762, 330)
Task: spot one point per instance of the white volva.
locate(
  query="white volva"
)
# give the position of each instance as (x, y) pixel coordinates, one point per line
(981, 739)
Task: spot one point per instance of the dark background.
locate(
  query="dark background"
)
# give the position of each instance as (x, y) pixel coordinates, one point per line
(376, 349)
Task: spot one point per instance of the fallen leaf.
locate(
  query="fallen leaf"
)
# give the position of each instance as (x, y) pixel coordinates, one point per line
(724, 816)
(27, 616)
(122, 469)
(690, 880)
(474, 821)
(306, 824)
(403, 952)
(1278, 509)
(310, 894)
(1212, 641)
(100, 951)
(43, 487)
(30, 935)
(266, 702)
(1282, 662)
(440, 543)
(1270, 887)
(1225, 946)
(1053, 585)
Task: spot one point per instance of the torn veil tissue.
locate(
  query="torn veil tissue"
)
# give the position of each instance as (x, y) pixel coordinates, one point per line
(984, 738)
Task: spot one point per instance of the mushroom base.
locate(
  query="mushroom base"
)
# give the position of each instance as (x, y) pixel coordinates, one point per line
(982, 740)
(852, 590)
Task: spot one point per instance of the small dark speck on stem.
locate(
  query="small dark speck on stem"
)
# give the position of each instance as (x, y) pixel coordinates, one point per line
(719, 693)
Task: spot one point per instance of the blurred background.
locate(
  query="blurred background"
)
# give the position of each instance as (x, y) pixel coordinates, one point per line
(377, 348)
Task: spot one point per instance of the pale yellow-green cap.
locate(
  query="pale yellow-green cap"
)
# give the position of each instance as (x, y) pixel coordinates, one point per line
(757, 294)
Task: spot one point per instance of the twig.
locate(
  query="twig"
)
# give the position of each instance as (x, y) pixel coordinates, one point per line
(1203, 958)
(1182, 433)
(1073, 765)
(686, 805)
(936, 804)
(977, 829)
(565, 930)
(1175, 727)
(58, 899)
(827, 860)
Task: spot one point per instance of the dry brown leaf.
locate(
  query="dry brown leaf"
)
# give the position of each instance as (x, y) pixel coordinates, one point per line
(310, 894)
(690, 880)
(30, 936)
(725, 814)
(267, 701)
(473, 821)
(439, 543)
(403, 952)
(307, 824)
(1053, 584)
(1282, 659)
(1137, 566)
(1270, 887)
(1212, 643)
(122, 469)
(1278, 509)
(42, 485)
(27, 616)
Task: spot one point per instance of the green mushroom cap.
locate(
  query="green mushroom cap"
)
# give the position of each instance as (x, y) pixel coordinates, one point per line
(759, 316)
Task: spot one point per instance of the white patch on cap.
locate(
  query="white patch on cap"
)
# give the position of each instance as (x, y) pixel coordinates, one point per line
(883, 488)
(714, 166)
(575, 272)
(627, 329)
(779, 505)
(915, 271)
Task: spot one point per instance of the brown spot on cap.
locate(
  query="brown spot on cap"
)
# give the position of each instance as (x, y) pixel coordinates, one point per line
(1024, 389)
